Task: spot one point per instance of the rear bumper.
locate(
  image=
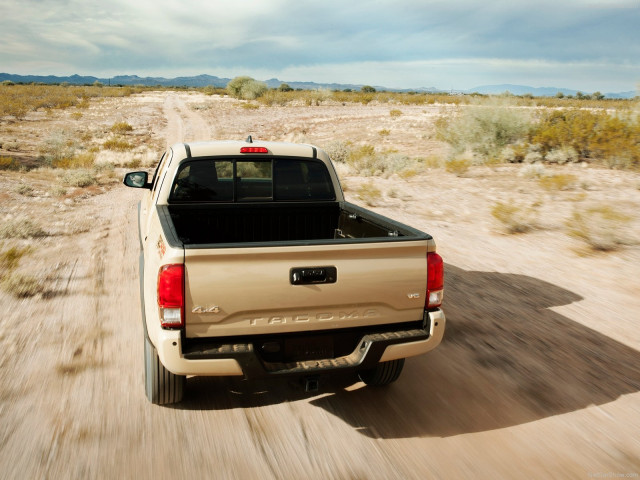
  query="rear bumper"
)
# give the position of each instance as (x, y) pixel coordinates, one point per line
(241, 359)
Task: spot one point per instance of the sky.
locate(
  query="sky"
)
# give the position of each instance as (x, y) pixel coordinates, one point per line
(586, 45)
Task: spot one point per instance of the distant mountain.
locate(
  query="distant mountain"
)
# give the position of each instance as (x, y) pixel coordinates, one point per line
(538, 92)
(210, 80)
(197, 81)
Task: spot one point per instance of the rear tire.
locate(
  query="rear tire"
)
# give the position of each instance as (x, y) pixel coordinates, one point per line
(160, 385)
(383, 374)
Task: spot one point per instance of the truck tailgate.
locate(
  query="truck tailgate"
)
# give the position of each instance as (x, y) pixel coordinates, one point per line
(245, 291)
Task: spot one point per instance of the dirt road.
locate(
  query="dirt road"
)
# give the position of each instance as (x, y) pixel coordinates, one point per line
(538, 376)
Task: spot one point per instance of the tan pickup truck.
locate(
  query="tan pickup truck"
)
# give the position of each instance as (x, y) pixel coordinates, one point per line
(252, 264)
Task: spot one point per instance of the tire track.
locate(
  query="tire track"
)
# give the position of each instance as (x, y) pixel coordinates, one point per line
(183, 124)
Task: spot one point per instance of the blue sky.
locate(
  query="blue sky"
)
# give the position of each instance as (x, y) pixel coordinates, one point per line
(586, 45)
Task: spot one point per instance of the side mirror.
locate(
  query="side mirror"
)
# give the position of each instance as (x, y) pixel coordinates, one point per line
(137, 180)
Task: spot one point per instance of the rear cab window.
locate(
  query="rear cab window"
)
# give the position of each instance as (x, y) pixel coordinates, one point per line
(243, 180)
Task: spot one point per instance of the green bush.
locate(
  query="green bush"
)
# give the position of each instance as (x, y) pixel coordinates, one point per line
(246, 88)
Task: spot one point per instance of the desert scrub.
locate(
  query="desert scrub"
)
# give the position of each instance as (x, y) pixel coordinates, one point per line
(557, 182)
(384, 132)
(121, 128)
(8, 163)
(24, 189)
(246, 88)
(533, 171)
(21, 228)
(117, 144)
(485, 129)
(58, 147)
(598, 136)
(10, 258)
(79, 178)
(515, 218)
(21, 285)
(366, 161)
(369, 194)
(601, 227)
(338, 151)
(395, 113)
(80, 160)
(458, 166)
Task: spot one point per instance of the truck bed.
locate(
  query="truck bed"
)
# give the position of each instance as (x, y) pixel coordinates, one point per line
(306, 222)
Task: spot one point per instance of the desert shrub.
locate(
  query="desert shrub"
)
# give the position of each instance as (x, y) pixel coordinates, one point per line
(10, 258)
(338, 151)
(613, 139)
(515, 218)
(58, 147)
(246, 88)
(57, 191)
(515, 153)
(24, 189)
(76, 115)
(484, 129)
(369, 194)
(21, 228)
(250, 106)
(557, 182)
(600, 227)
(121, 128)
(384, 132)
(82, 160)
(458, 166)
(365, 161)
(211, 90)
(8, 163)
(395, 113)
(276, 97)
(117, 144)
(432, 161)
(532, 171)
(79, 178)
(21, 285)
(565, 154)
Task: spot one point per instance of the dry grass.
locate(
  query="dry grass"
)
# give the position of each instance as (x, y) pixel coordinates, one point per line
(21, 228)
(118, 144)
(515, 218)
(121, 128)
(369, 194)
(600, 227)
(557, 182)
(458, 166)
(21, 285)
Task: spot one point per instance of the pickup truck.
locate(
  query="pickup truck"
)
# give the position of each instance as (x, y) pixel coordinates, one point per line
(253, 264)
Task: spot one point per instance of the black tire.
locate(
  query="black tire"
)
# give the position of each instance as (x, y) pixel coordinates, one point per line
(160, 385)
(383, 374)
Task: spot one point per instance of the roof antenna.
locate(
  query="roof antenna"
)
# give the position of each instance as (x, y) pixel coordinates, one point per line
(249, 139)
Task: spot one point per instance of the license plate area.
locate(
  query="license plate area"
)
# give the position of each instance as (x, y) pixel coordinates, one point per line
(311, 348)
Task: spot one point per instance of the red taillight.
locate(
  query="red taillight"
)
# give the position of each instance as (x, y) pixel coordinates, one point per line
(171, 295)
(435, 280)
(254, 150)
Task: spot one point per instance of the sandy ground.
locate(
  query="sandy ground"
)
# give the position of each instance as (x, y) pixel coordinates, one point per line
(538, 375)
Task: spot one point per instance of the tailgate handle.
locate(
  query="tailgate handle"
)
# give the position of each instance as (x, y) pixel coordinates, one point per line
(313, 275)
